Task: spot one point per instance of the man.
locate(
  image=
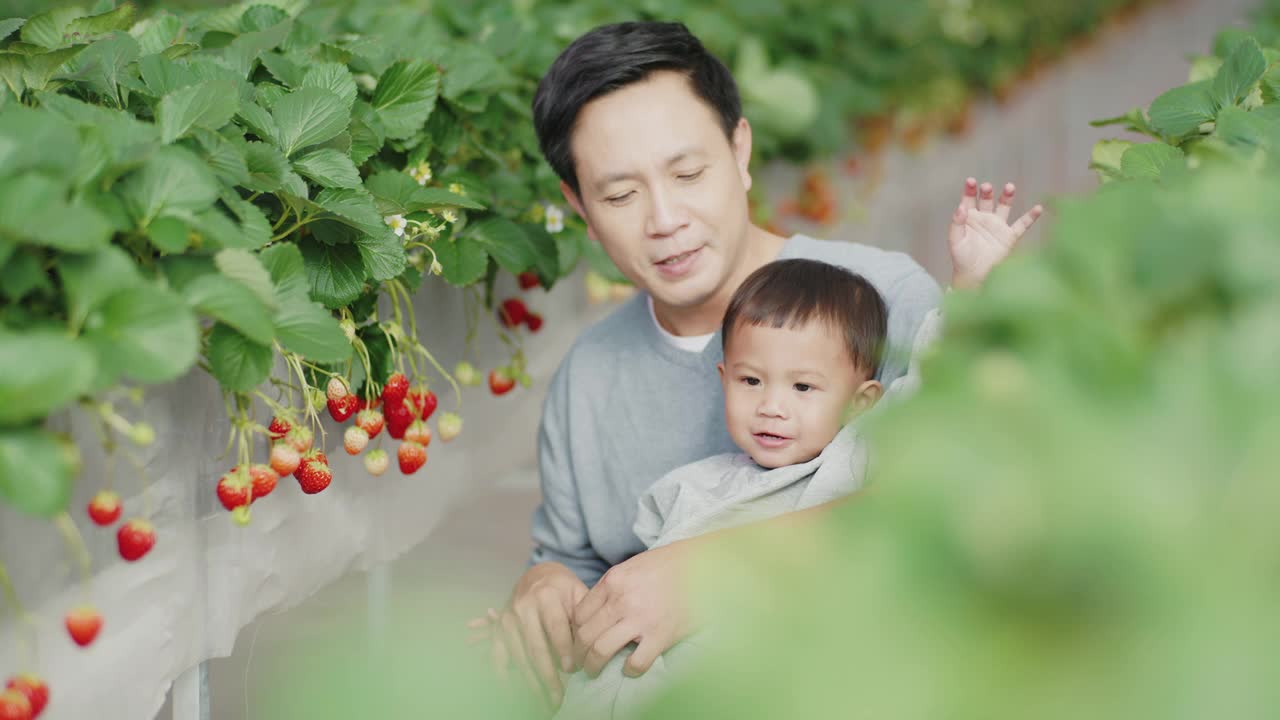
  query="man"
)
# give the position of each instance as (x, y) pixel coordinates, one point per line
(645, 129)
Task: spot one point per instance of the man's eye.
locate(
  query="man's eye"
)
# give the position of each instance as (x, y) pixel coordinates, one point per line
(619, 199)
(752, 381)
(803, 387)
(691, 176)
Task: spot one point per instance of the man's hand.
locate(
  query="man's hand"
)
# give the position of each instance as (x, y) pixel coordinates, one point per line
(535, 630)
(980, 236)
(642, 599)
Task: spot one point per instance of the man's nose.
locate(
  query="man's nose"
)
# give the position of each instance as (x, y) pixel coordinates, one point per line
(667, 213)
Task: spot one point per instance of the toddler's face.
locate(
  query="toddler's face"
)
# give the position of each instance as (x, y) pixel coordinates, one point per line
(787, 390)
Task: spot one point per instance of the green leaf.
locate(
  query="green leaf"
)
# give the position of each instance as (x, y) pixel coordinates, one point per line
(35, 210)
(39, 373)
(1238, 74)
(399, 194)
(12, 70)
(336, 272)
(120, 18)
(241, 53)
(210, 104)
(308, 116)
(1240, 127)
(464, 260)
(226, 158)
(546, 259)
(1151, 161)
(156, 33)
(100, 66)
(308, 329)
(1181, 111)
(238, 363)
(46, 29)
(254, 228)
(505, 242)
(39, 69)
(367, 133)
(8, 26)
(37, 469)
(282, 68)
(258, 121)
(247, 269)
(173, 178)
(163, 76)
(220, 297)
(353, 206)
(334, 77)
(405, 96)
(145, 333)
(382, 254)
(90, 278)
(1134, 120)
(288, 272)
(267, 166)
(35, 140)
(22, 274)
(1106, 158)
(260, 17)
(169, 235)
(329, 168)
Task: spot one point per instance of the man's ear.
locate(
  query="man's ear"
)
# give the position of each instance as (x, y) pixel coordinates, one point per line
(575, 202)
(742, 151)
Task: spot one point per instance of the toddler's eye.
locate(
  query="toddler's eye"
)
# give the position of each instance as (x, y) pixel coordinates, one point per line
(752, 381)
(803, 387)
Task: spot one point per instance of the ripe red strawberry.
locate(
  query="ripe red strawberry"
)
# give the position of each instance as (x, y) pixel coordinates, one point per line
(528, 280)
(399, 416)
(284, 458)
(135, 539)
(411, 456)
(264, 479)
(500, 383)
(33, 688)
(301, 438)
(15, 706)
(279, 428)
(314, 476)
(105, 508)
(512, 312)
(424, 402)
(395, 390)
(449, 426)
(234, 490)
(336, 389)
(534, 321)
(83, 624)
(371, 421)
(354, 440)
(341, 409)
(376, 461)
(418, 432)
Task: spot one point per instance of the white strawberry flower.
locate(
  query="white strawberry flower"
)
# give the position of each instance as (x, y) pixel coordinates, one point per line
(555, 219)
(457, 189)
(397, 223)
(449, 215)
(421, 172)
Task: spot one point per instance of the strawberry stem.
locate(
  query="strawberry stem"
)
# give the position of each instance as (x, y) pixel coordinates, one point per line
(27, 646)
(71, 534)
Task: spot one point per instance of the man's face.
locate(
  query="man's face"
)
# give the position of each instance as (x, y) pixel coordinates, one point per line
(663, 190)
(787, 390)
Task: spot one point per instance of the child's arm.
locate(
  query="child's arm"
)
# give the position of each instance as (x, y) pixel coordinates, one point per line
(980, 236)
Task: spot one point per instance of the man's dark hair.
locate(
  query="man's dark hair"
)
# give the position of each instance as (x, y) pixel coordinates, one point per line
(611, 57)
(793, 293)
